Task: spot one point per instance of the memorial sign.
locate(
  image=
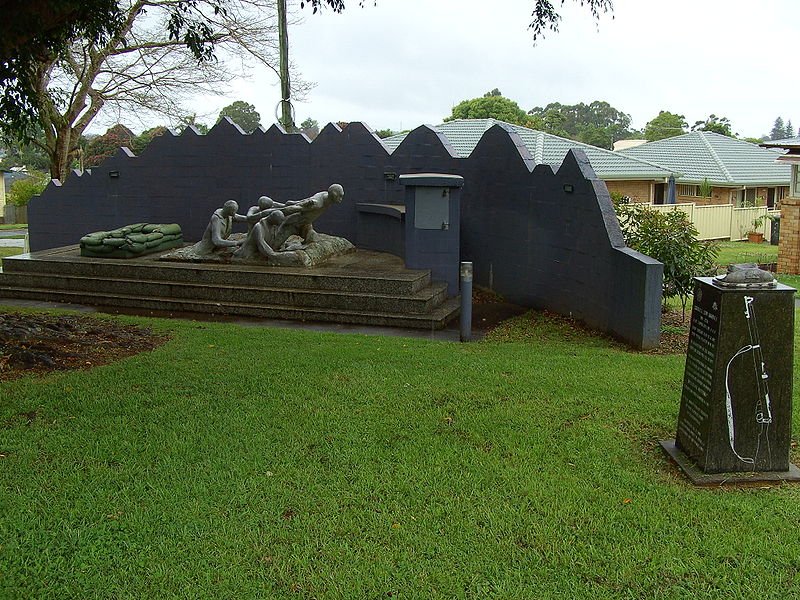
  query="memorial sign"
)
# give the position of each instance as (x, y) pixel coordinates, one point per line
(736, 400)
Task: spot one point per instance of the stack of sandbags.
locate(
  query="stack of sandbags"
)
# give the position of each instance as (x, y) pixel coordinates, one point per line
(132, 240)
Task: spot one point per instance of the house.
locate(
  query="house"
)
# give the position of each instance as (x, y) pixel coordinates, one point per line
(738, 172)
(789, 245)
(630, 176)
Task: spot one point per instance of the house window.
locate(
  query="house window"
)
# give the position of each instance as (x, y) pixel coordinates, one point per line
(746, 198)
(689, 190)
(796, 181)
(782, 193)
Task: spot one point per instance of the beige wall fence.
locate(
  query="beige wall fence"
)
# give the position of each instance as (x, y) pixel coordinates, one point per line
(723, 221)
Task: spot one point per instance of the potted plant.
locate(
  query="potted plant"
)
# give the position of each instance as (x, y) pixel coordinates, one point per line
(756, 234)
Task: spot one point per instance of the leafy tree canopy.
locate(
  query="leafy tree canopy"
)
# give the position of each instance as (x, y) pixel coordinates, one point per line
(781, 131)
(492, 107)
(37, 31)
(384, 133)
(778, 130)
(103, 146)
(25, 154)
(597, 123)
(665, 125)
(243, 114)
(720, 125)
(141, 141)
(310, 127)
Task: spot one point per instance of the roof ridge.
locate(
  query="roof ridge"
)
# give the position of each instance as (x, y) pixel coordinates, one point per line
(539, 147)
(716, 157)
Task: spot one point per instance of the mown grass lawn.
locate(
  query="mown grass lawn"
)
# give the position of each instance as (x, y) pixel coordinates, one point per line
(240, 462)
(10, 251)
(743, 252)
(13, 226)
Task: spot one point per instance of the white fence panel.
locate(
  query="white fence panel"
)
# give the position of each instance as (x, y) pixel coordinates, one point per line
(713, 222)
(721, 221)
(742, 221)
(687, 208)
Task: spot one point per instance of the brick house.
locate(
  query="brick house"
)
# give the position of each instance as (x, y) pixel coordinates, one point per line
(789, 246)
(738, 172)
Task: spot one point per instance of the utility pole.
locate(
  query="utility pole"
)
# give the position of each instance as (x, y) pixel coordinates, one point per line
(286, 119)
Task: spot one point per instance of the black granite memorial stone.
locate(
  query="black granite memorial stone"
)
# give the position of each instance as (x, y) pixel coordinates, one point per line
(735, 413)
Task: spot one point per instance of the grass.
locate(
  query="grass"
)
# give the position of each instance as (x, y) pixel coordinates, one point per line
(263, 463)
(743, 252)
(13, 226)
(4, 252)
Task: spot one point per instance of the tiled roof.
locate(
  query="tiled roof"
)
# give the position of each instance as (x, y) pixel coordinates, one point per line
(464, 134)
(722, 160)
(785, 142)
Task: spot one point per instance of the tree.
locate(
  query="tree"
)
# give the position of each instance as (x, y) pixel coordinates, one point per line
(720, 125)
(191, 121)
(243, 114)
(778, 130)
(142, 68)
(670, 238)
(665, 125)
(491, 107)
(100, 148)
(141, 141)
(22, 190)
(544, 14)
(384, 133)
(36, 31)
(22, 154)
(789, 129)
(597, 123)
(310, 127)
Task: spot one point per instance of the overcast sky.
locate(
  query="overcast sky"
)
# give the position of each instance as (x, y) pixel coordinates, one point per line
(403, 63)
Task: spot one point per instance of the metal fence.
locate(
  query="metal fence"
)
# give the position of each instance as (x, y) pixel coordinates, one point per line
(724, 221)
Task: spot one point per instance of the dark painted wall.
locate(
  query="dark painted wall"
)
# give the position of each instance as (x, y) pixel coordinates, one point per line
(529, 240)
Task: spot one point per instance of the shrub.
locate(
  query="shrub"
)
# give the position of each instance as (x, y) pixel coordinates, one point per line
(671, 238)
(22, 190)
(705, 189)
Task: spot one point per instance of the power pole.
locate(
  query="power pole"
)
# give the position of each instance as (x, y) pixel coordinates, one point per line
(283, 40)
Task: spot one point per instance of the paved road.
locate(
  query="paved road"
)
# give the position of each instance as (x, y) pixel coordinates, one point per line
(12, 232)
(11, 243)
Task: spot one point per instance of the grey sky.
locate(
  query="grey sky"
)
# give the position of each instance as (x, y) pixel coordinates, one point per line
(406, 62)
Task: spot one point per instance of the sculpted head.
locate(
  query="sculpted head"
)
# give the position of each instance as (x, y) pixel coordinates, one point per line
(264, 202)
(275, 218)
(229, 208)
(336, 192)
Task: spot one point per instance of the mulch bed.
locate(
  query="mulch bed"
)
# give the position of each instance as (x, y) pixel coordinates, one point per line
(40, 344)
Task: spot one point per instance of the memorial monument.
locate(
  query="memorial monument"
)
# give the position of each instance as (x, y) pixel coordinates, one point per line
(736, 401)
(278, 234)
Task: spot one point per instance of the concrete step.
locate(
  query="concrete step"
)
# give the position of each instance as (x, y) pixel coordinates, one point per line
(341, 276)
(419, 302)
(435, 319)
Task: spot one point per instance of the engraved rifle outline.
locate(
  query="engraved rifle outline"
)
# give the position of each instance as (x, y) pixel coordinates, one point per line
(763, 407)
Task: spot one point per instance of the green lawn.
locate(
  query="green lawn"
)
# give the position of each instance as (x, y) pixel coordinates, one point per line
(8, 252)
(742, 252)
(240, 462)
(13, 226)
